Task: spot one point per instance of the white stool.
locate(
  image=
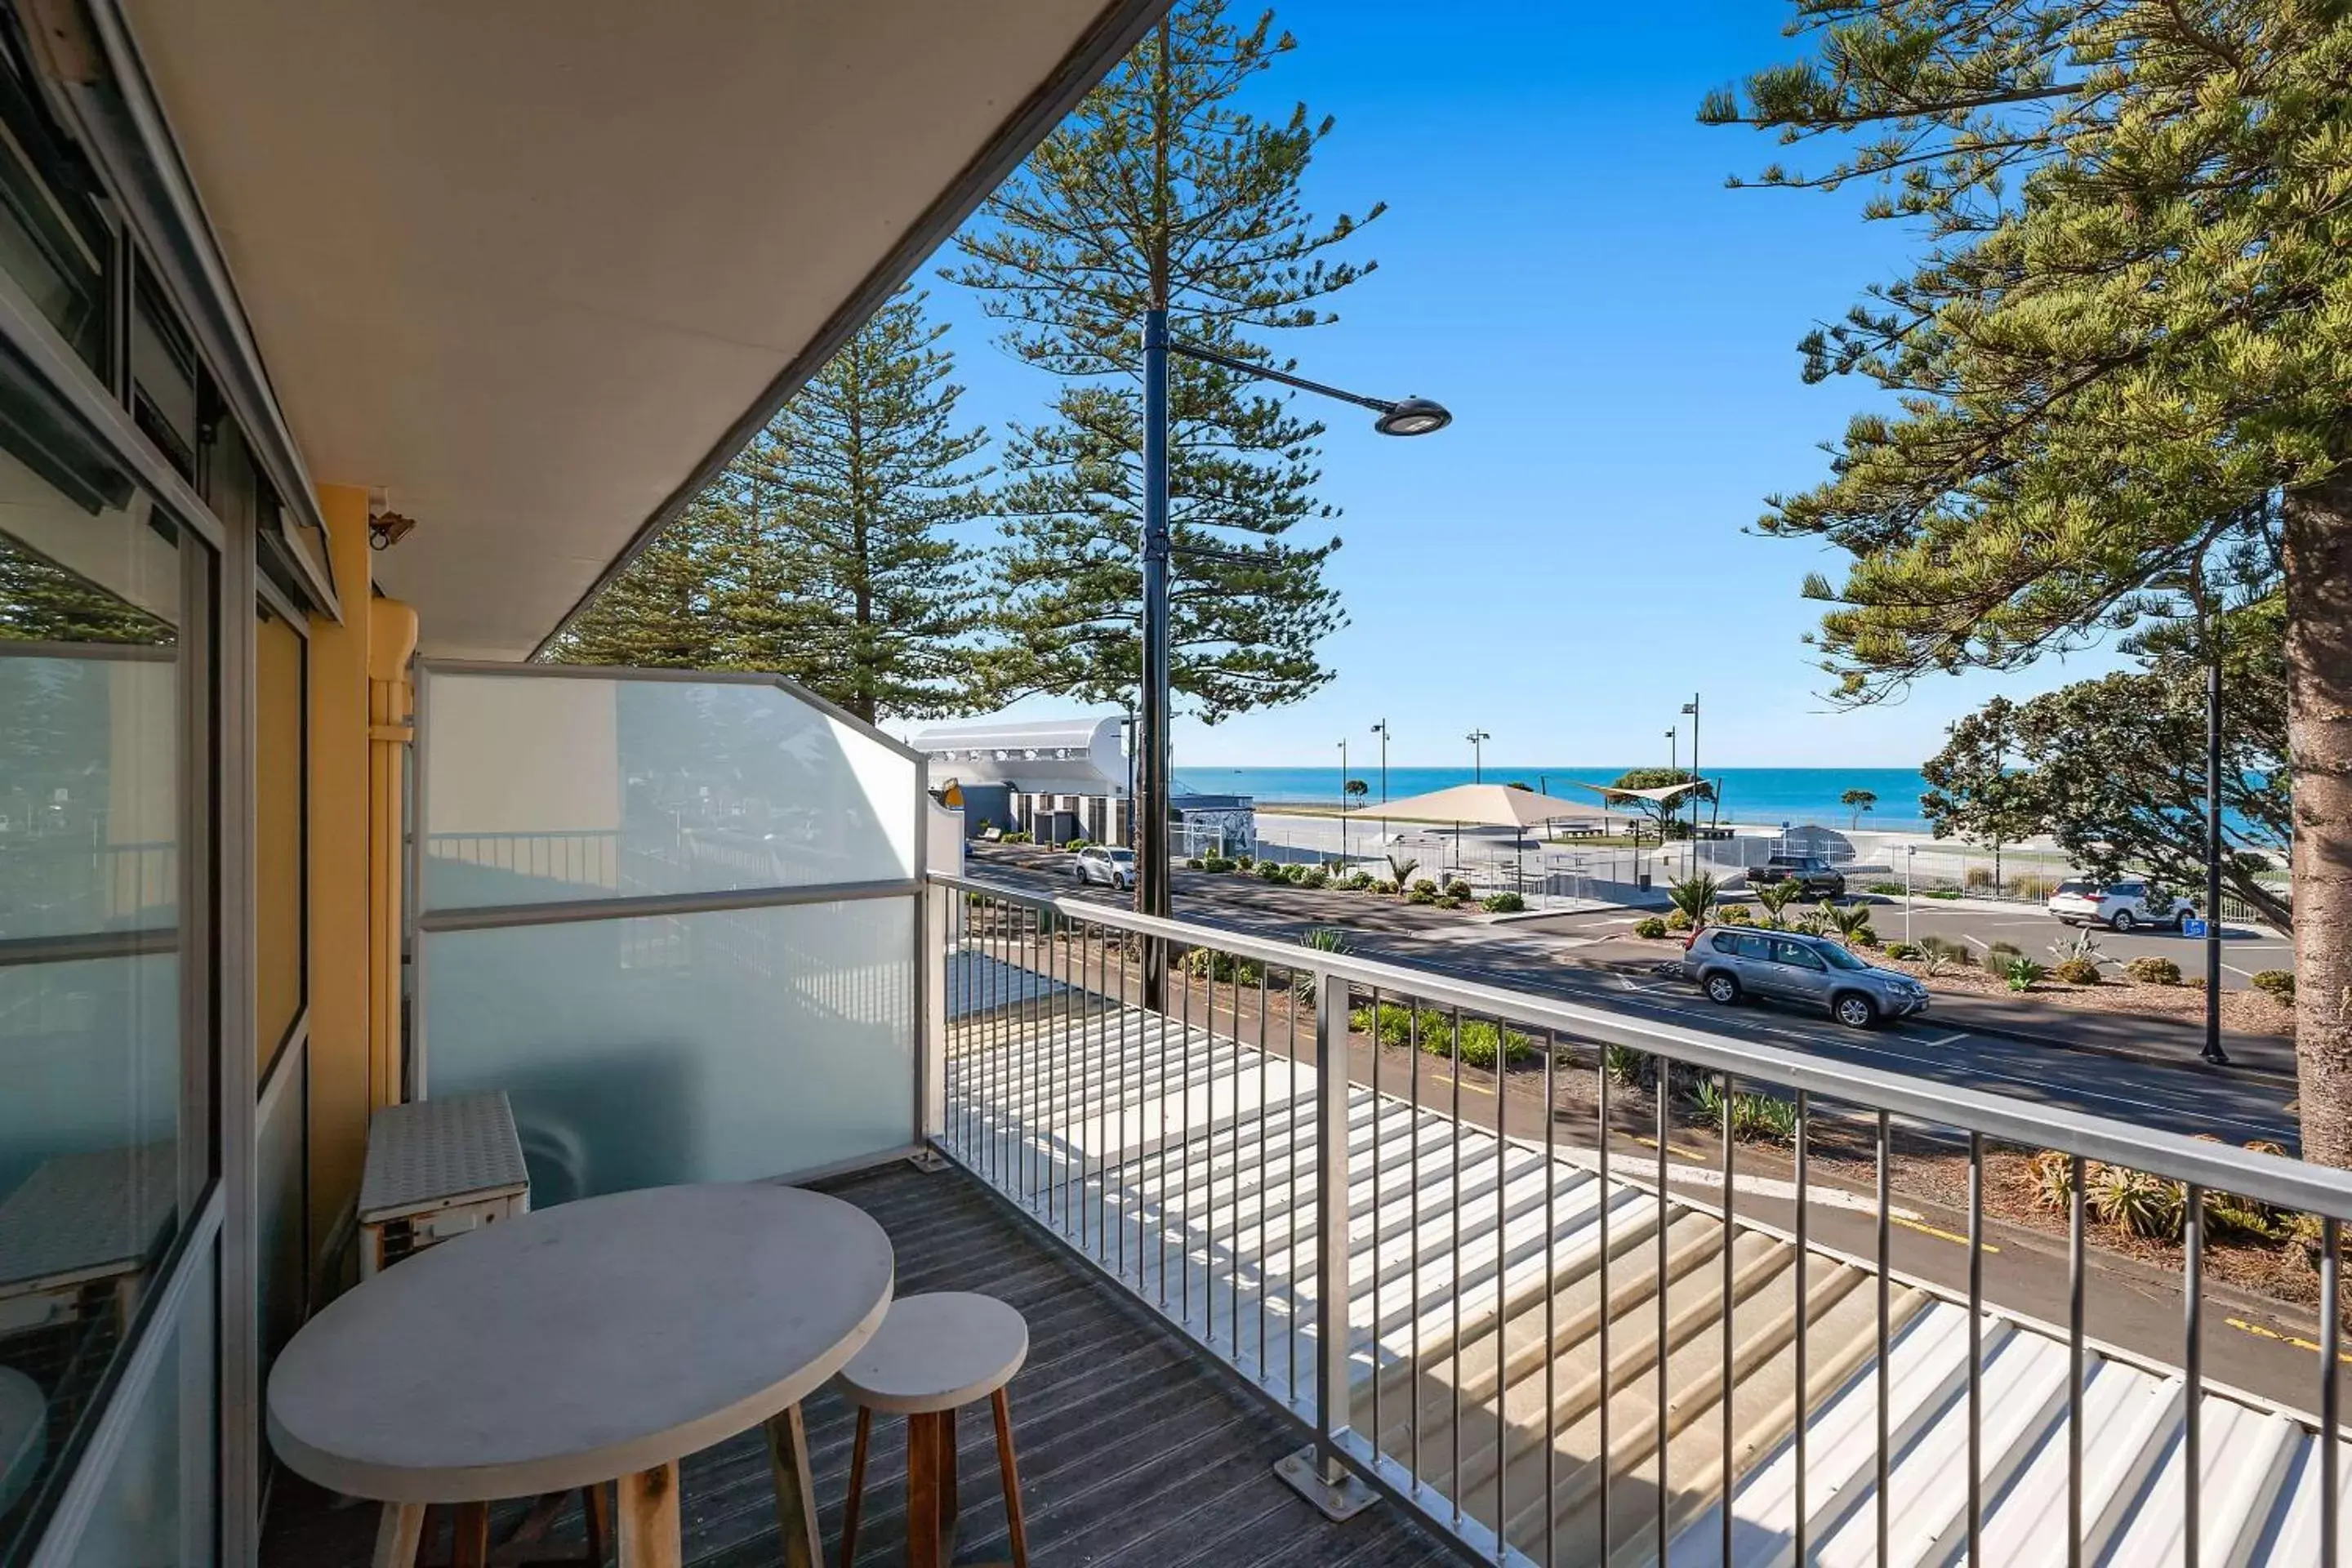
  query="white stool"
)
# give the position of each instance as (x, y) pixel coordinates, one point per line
(24, 1435)
(931, 1356)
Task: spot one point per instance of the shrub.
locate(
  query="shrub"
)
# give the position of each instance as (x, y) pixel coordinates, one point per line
(1244, 861)
(1976, 877)
(2277, 983)
(1424, 885)
(1211, 964)
(1624, 1065)
(1433, 1031)
(1423, 892)
(1503, 904)
(2076, 972)
(1456, 888)
(1765, 1117)
(1317, 938)
(1072, 845)
(1693, 898)
(2034, 888)
(1734, 915)
(2022, 972)
(1887, 890)
(2154, 971)
(1384, 886)
(1650, 928)
(1483, 1041)
(1017, 838)
(2136, 1201)
(1315, 877)
(1866, 937)
(1401, 869)
(1194, 863)
(1296, 875)
(2194, 982)
(1268, 871)
(1678, 920)
(2054, 1180)
(1902, 949)
(1361, 882)
(1942, 893)
(2002, 954)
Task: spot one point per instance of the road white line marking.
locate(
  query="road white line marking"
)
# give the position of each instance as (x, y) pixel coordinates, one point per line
(1947, 1039)
(1986, 945)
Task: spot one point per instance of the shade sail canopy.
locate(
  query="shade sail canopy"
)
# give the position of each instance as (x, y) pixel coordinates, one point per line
(1481, 806)
(534, 269)
(1662, 793)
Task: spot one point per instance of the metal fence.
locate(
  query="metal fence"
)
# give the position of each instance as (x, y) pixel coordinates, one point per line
(1459, 1233)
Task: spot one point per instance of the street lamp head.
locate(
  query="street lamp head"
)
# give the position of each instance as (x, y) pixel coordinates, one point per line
(1413, 416)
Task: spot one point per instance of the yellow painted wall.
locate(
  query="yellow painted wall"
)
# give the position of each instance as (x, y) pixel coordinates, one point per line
(341, 1089)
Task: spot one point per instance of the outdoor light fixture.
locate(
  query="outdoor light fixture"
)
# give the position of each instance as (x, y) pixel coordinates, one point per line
(1413, 416)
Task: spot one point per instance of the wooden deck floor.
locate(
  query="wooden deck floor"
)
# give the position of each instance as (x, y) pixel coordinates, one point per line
(1134, 1450)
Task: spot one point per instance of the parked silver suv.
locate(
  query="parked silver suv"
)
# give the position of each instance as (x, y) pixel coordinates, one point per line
(1731, 962)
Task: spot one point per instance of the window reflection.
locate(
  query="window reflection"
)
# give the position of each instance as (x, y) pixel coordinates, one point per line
(92, 1183)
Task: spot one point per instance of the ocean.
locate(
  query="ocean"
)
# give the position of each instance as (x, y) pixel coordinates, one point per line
(1767, 795)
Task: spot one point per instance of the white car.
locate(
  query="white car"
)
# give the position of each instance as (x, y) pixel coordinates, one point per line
(1111, 868)
(2118, 906)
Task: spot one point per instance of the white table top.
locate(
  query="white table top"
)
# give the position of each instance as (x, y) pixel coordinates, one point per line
(429, 1153)
(579, 1343)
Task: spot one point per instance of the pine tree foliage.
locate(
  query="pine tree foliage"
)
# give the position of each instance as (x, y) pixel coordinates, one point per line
(2130, 328)
(825, 552)
(869, 472)
(1156, 187)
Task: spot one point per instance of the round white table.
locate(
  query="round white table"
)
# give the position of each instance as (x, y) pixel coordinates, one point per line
(597, 1341)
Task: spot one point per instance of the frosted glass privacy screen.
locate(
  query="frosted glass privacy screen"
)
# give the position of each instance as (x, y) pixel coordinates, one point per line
(541, 787)
(724, 1046)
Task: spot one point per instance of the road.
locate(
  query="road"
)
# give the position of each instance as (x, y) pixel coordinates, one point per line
(2190, 1099)
(2246, 950)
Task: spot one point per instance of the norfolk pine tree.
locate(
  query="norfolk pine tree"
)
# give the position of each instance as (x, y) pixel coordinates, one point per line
(2131, 328)
(1157, 189)
(820, 552)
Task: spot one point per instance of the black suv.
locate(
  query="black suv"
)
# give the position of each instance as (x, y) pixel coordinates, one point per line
(1815, 876)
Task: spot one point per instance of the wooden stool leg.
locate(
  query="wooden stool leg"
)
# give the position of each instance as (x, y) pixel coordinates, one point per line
(399, 1533)
(470, 1536)
(649, 1519)
(949, 1501)
(596, 1509)
(788, 1467)
(1014, 1525)
(849, 1508)
(923, 1492)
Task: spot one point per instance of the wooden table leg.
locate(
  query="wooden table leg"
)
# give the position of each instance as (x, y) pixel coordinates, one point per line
(596, 1503)
(948, 1504)
(855, 1502)
(649, 1519)
(398, 1535)
(470, 1536)
(788, 1465)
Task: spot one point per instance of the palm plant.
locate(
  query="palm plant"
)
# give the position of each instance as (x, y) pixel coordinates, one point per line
(1695, 897)
(1851, 920)
(1404, 865)
(1321, 938)
(1776, 897)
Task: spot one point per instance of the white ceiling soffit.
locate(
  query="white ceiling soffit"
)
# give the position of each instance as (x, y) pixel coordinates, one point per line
(536, 269)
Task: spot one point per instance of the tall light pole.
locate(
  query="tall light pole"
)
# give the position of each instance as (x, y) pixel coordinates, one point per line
(2211, 628)
(1477, 739)
(1412, 416)
(1381, 730)
(1343, 801)
(1691, 707)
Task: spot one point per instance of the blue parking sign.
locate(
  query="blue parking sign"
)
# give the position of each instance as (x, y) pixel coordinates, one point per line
(2192, 926)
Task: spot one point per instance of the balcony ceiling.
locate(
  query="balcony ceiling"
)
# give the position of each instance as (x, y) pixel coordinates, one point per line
(531, 268)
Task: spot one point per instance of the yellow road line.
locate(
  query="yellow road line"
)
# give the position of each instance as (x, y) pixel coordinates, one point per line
(1672, 1148)
(2299, 1343)
(1925, 1229)
(1447, 1077)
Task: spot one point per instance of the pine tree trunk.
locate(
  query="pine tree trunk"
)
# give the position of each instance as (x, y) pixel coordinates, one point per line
(2318, 557)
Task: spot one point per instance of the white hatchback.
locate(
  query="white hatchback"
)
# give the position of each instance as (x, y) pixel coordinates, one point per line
(2119, 906)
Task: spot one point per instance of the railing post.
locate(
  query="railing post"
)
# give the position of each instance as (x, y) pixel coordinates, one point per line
(1319, 1471)
(934, 933)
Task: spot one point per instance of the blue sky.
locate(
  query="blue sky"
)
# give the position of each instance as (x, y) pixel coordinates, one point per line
(1615, 333)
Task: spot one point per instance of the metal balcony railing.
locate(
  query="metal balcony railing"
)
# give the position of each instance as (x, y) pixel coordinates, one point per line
(1513, 1300)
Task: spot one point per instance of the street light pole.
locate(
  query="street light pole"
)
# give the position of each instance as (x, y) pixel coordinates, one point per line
(1477, 739)
(1151, 870)
(2213, 1052)
(1691, 707)
(1410, 416)
(1910, 851)
(1343, 802)
(1381, 730)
